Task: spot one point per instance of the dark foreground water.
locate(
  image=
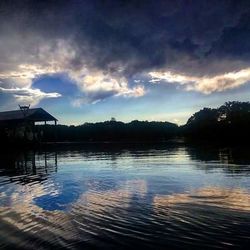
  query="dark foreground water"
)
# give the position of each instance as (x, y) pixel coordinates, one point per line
(105, 197)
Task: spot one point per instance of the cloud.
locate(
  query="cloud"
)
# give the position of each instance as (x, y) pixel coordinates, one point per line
(27, 95)
(23, 75)
(101, 45)
(95, 84)
(205, 84)
(98, 81)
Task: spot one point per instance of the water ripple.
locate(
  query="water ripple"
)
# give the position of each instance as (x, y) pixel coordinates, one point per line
(155, 198)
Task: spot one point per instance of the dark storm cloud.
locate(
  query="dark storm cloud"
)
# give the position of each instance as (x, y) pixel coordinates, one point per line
(134, 36)
(235, 40)
(106, 48)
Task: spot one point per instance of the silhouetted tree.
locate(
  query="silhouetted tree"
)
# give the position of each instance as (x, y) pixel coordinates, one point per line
(228, 122)
(112, 131)
(234, 112)
(203, 117)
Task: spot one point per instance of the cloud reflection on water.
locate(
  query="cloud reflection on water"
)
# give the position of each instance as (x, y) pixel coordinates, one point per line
(150, 196)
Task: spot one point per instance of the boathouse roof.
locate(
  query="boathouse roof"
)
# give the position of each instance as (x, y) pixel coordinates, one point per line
(35, 115)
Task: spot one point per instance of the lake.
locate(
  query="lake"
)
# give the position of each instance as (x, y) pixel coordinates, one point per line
(112, 196)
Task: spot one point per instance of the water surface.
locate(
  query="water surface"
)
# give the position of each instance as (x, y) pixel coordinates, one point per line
(110, 197)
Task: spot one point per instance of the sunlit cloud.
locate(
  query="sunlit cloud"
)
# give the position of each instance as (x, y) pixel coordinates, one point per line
(57, 57)
(28, 95)
(97, 85)
(204, 84)
(99, 82)
(23, 75)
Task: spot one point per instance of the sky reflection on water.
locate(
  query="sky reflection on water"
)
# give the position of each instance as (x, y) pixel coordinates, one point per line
(151, 197)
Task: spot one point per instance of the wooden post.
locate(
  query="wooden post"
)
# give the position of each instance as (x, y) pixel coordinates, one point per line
(55, 131)
(33, 162)
(55, 161)
(45, 161)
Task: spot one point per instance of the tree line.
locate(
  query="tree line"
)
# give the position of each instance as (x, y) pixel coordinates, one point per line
(111, 131)
(231, 121)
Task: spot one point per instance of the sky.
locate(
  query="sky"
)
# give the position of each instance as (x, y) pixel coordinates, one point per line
(90, 60)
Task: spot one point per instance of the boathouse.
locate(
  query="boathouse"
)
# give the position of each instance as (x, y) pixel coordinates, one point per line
(20, 124)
